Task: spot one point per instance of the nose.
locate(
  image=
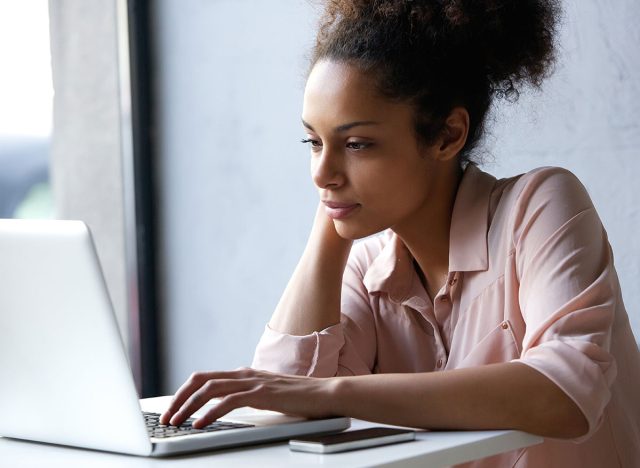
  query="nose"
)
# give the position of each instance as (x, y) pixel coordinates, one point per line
(326, 170)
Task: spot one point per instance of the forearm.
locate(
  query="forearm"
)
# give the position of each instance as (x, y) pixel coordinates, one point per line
(497, 396)
(311, 300)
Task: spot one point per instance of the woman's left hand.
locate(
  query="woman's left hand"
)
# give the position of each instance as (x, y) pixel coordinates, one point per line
(301, 396)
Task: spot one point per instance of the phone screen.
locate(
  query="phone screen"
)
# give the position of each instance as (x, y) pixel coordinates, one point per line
(353, 436)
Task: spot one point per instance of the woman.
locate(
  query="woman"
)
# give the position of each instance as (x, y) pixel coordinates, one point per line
(484, 303)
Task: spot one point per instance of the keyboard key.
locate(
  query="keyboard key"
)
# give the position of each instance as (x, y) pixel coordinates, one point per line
(157, 430)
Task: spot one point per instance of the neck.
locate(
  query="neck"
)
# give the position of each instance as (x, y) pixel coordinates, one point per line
(426, 234)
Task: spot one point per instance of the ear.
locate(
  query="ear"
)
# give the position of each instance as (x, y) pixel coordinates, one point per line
(454, 135)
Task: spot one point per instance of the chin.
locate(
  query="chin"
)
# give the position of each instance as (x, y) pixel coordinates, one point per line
(354, 231)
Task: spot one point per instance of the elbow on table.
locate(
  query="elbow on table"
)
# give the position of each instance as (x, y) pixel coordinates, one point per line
(562, 421)
(572, 427)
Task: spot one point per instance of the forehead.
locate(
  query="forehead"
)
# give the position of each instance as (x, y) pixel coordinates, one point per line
(330, 78)
(337, 92)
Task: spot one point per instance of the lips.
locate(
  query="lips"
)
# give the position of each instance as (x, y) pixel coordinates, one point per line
(339, 210)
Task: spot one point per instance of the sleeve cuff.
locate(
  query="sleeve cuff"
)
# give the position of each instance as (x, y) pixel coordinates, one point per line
(584, 375)
(313, 355)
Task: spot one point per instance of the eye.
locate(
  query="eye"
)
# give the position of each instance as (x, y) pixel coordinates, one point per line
(315, 144)
(358, 145)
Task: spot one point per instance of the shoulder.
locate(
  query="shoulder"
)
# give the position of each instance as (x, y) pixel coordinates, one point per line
(539, 203)
(550, 191)
(545, 204)
(554, 184)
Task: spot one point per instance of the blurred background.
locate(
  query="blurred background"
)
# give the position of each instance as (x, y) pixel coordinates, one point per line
(26, 103)
(174, 133)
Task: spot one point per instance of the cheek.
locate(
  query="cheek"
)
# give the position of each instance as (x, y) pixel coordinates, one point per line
(397, 190)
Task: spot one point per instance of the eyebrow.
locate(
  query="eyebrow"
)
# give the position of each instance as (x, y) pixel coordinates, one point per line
(347, 126)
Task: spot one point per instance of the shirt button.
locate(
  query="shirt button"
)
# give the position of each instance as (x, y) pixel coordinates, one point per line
(439, 363)
(504, 325)
(453, 281)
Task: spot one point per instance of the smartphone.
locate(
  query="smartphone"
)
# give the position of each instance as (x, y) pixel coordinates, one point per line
(351, 440)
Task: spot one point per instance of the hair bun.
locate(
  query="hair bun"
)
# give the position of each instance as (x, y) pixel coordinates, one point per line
(443, 53)
(514, 39)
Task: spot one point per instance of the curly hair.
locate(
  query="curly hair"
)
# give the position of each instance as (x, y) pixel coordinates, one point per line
(440, 54)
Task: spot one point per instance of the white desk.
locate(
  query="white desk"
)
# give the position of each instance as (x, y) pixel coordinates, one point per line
(430, 449)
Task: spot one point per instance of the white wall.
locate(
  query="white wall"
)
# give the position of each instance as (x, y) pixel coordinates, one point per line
(237, 202)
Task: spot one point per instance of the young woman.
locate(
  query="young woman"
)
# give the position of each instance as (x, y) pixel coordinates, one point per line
(483, 303)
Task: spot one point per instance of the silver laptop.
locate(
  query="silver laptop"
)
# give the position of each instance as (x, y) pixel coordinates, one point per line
(64, 375)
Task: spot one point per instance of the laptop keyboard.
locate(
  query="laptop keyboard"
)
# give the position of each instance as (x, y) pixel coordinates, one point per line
(155, 429)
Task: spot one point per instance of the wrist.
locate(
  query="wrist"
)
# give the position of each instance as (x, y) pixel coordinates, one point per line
(336, 393)
(325, 232)
(325, 247)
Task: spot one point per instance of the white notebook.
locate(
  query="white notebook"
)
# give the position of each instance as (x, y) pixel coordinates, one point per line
(65, 375)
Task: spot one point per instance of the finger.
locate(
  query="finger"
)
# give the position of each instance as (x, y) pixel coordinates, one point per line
(211, 389)
(192, 384)
(227, 404)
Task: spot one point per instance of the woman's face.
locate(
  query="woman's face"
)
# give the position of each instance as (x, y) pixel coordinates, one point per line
(366, 162)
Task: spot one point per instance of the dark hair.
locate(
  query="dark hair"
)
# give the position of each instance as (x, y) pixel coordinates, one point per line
(439, 54)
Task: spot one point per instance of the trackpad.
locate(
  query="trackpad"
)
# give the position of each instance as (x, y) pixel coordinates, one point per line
(253, 416)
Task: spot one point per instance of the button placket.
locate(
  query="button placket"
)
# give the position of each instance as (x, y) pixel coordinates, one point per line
(442, 301)
(453, 280)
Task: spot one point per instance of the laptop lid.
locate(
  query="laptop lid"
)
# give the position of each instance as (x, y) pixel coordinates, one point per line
(65, 376)
(62, 362)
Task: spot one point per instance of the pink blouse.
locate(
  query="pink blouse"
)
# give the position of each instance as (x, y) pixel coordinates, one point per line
(531, 280)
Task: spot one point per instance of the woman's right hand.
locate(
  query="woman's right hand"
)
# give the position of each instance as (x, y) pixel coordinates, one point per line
(325, 236)
(311, 300)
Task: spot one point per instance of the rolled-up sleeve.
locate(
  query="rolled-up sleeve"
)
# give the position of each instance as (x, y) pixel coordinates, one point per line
(567, 290)
(311, 355)
(347, 348)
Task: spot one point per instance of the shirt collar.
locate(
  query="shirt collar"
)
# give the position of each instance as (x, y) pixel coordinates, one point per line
(392, 270)
(468, 248)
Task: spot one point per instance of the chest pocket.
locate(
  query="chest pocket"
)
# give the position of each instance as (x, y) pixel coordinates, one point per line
(499, 345)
